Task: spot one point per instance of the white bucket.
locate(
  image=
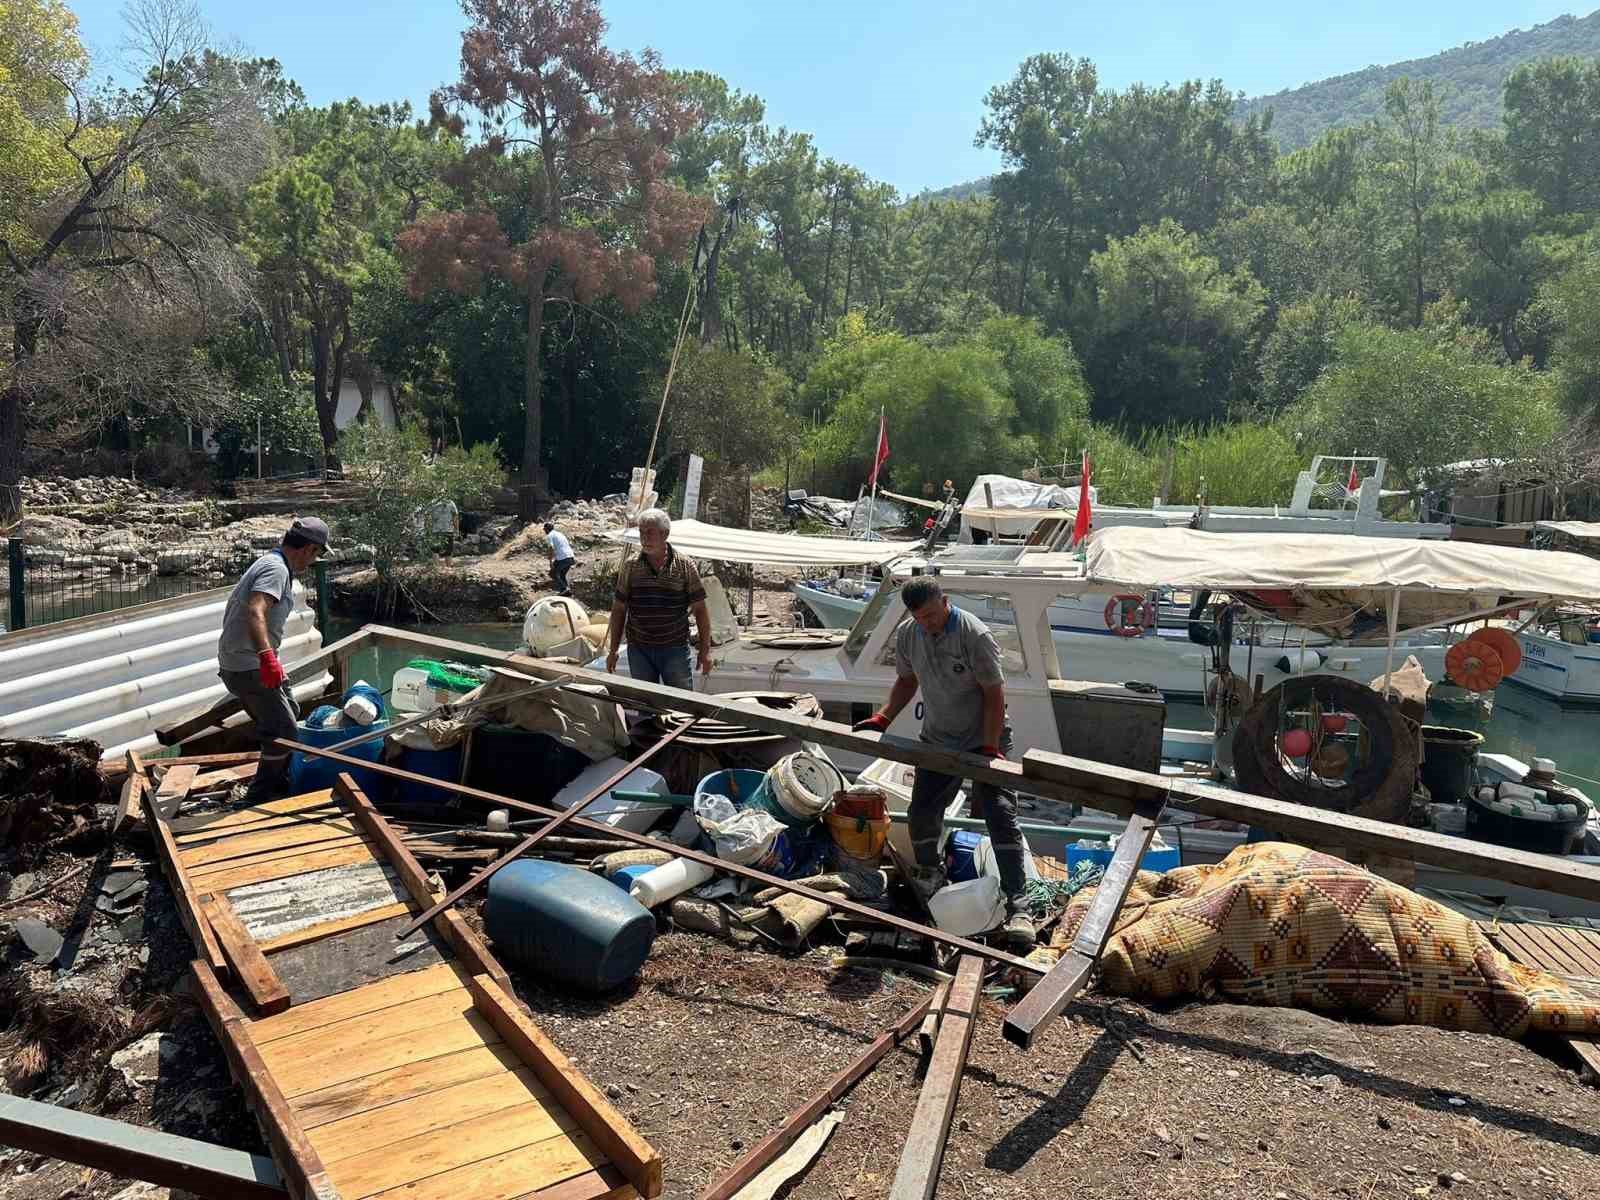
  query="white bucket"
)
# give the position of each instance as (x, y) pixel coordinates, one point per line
(968, 908)
(803, 785)
(663, 883)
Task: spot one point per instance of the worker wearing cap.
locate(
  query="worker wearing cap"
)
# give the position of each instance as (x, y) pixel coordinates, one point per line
(247, 653)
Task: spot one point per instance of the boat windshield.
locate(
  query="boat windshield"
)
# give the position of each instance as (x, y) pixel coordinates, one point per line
(861, 631)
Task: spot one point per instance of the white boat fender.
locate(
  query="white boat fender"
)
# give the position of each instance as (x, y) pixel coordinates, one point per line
(1299, 662)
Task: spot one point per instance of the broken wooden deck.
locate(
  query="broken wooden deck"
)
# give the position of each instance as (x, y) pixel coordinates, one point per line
(379, 1068)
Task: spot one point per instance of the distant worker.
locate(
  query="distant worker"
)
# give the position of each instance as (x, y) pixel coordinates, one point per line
(247, 653)
(655, 594)
(561, 559)
(955, 660)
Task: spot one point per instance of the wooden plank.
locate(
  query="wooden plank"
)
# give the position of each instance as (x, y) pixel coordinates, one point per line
(227, 876)
(384, 1127)
(302, 1169)
(401, 989)
(352, 1033)
(1582, 948)
(249, 965)
(130, 805)
(309, 1073)
(174, 789)
(928, 1033)
(114, 770)
(1071, 972)
(756, 1159)
(603, 1183)
(450, 925)
(224, 818)
(185, 896)
(538, 835)
(918, 1173)
(252, 843)
(133, 1152)
(356, 958)
(213, 779)
(312, 933)
(630, 1153)
(1546, 953)
(1058, 776)
(542, 1164)
(399, 1084)
(257, 823)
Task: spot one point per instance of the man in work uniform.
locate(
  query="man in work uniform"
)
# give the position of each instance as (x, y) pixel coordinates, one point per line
(561, 558)
(655, 594)
(955, 660)
(247, 653)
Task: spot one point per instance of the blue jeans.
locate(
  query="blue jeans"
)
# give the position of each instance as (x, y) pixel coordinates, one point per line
(669, 665)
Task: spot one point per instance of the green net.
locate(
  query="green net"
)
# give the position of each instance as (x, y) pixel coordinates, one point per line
(457, 677)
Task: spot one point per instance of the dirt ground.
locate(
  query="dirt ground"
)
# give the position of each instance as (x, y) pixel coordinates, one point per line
(712, 1046)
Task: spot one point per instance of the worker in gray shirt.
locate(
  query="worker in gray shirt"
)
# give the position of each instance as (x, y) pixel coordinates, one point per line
(247, 653)
(955, 660)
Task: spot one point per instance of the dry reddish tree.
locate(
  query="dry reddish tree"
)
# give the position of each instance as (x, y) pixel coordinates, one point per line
(578, 136)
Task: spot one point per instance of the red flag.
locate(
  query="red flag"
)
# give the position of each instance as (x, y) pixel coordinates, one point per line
(1354, 483)
(1080, 526)
(883, 449)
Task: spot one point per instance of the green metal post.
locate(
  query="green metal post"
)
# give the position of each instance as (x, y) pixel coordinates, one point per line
(18, 585)
(321, 576)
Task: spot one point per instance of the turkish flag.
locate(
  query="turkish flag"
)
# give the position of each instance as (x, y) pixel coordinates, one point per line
(1353, 485)
(883, 449)
(1080, 526)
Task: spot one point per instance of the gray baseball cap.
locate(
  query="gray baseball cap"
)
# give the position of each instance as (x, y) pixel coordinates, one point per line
(313, 529)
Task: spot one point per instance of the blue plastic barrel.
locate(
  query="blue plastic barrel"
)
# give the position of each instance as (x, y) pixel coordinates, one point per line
(569, 926)
(307, 774)
(435, 764)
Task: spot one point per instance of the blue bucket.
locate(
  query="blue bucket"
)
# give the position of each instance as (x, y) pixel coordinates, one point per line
(740, 786)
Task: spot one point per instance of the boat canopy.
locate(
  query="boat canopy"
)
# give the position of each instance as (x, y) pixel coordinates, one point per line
(699, 539)
(1345, 583)
(1578, 531)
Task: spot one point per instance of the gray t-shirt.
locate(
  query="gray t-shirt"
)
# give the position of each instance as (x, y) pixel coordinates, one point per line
(952, 669)
(269, 574)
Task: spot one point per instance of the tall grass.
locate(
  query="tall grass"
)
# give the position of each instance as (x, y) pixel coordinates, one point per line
(1245, 464)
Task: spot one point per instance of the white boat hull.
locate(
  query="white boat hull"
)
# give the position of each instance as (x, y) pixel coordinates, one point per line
(1561, 670)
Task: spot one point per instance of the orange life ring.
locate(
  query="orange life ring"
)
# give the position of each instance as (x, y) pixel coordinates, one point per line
(1118, 623)
(1503, 644)
(1474, 665)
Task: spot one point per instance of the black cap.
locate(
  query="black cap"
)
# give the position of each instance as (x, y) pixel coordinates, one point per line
(312, 529)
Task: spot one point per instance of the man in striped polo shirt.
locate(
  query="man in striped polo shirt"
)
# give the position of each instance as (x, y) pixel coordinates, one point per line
(655, 594)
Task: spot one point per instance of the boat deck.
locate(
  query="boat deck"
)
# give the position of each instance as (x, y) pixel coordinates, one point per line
(379, 1068)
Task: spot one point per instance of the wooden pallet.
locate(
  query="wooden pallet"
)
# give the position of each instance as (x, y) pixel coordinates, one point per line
(379, 1068)
(1565, 950)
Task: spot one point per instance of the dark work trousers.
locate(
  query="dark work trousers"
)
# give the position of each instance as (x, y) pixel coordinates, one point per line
(275, 715)
(558, 571)
(931, 794)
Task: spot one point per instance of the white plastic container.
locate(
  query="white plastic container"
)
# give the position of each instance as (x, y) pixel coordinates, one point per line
(1516, 791)
(361, 710)
(969, 908)
(498, 820)
(636, 816)
(411, 693)
(673, 878)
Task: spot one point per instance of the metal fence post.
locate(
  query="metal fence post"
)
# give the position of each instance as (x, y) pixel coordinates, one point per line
(18, 585)
(321, 576)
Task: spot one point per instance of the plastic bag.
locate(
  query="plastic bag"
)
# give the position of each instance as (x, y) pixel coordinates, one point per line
(743, 838)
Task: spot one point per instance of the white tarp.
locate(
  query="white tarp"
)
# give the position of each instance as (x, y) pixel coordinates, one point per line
(1578, 531)
(698, 539)
(993, 492)
(1339, 581)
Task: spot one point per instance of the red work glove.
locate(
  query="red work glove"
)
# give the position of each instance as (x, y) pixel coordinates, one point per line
(990, 751)
(876, 723)
(272, 675)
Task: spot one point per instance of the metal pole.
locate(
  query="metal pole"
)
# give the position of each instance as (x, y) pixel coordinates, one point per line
(15, 551)
(258, 447)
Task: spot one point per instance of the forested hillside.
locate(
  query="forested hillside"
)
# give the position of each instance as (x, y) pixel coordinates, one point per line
(1468, 80)
(1147, 277)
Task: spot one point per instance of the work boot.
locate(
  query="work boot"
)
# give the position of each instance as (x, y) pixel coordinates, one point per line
(1018, 932)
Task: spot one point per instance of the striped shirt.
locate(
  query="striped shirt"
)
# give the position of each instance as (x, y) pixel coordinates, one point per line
(658, 601)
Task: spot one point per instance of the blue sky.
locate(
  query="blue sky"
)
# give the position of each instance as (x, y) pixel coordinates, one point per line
(894, 87)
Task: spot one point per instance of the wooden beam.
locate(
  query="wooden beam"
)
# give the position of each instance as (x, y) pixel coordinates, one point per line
(223, 709)
(1318, 827)
(236, 774)
(304, 1175)
(249, 964)
(116, 770)
(609, 1129)
(1061, 777)
(185, 896)
(918, 1174)
(130, 807)
(832, 899)
(549, 827)
(1068, 977)
(174, 789)
(928, 1034)
(450, 925)
(134, 1152)
(756, 1159)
